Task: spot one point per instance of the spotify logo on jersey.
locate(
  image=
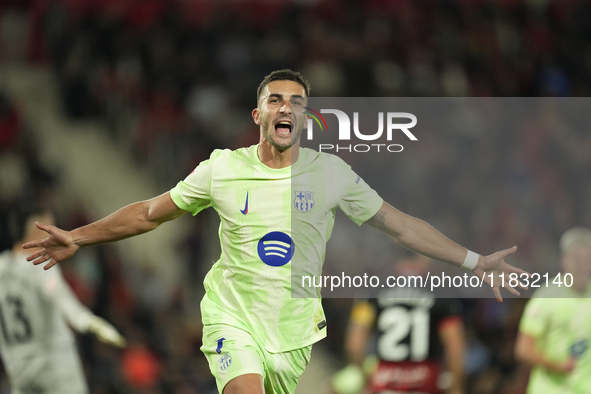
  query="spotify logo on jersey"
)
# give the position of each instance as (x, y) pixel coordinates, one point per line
(276, 249)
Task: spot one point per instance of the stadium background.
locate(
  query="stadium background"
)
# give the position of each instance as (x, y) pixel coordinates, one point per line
(103, 103)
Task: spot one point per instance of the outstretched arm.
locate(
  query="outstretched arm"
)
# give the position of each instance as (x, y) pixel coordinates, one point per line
(452, 336)
(134, 219)
(417, 235)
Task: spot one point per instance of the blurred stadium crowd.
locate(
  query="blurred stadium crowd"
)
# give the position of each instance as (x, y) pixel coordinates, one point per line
(175, 79)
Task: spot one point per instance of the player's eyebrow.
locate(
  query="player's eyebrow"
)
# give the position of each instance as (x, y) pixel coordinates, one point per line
(280, 96)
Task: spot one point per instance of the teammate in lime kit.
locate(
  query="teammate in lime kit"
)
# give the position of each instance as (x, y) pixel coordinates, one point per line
(555, 329)
(257, 338)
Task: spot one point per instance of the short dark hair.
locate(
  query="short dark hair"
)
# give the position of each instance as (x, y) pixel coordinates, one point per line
(284, 75)
(19, 214)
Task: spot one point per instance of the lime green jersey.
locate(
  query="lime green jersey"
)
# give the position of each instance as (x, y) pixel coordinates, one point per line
(270, 221)
(562, 327)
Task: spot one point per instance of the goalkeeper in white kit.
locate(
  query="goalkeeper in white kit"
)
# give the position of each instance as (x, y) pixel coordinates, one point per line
(37, 348)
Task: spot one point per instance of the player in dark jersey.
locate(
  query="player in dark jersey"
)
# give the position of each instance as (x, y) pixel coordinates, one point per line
(418, 338)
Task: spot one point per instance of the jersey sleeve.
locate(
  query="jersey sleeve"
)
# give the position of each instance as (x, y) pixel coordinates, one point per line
(356, 199)
(194, 193)
(58, 292)
(534, 319)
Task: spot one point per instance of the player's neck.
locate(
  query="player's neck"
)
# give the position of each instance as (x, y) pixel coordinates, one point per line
(17, 248)
(274, 158)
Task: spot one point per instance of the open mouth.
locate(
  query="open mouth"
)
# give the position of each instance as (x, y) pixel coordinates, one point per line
(283, 127)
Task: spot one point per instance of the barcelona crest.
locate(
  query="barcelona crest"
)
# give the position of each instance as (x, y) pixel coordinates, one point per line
(304, 201)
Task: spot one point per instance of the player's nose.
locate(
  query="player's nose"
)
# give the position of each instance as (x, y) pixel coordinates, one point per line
(285, 108)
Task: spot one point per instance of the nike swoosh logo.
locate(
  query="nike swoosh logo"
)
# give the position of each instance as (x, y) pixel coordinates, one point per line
(218, 350)
(245, 210)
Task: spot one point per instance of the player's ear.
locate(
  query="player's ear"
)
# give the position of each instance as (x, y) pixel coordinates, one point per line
(256, 115)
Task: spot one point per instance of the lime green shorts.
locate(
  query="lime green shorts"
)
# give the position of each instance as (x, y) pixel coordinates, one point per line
(232, 352)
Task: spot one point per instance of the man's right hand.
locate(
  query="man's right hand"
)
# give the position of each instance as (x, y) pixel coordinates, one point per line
(134, 219)
(567, 366)
(57, 247)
